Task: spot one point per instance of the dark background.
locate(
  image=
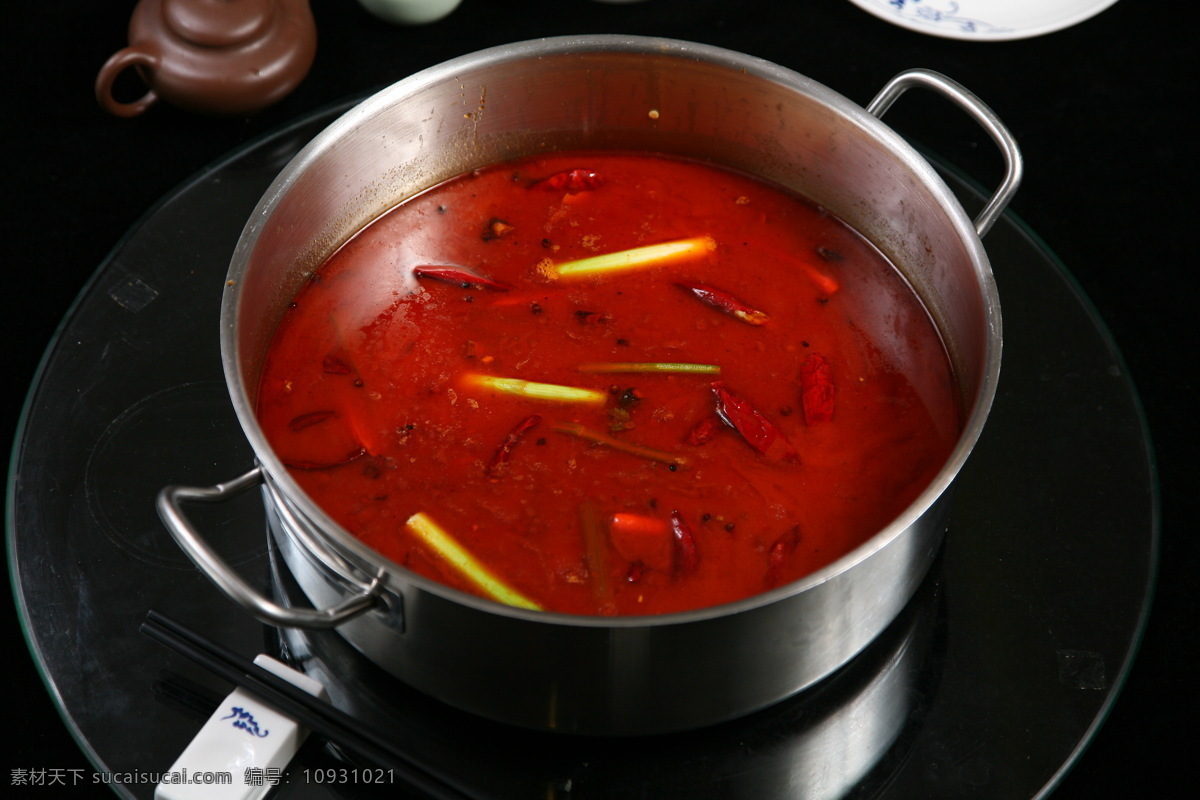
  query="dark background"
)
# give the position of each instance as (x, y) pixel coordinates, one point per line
(1103, 112)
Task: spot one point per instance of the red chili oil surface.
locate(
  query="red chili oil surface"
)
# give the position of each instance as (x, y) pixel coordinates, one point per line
(733, 483)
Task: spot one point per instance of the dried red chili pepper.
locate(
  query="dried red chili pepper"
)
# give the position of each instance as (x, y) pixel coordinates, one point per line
(460, 276)
(703, 431)
(780, 553)
(332, 365)
(758, 431)
(571, 181)
(816, 389)
(308, 420)
(504, 451)
(724, 301)
(826, 283)
(686, 555)
(314, 465)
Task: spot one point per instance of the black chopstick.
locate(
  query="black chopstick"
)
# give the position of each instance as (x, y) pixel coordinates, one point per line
(317, 715)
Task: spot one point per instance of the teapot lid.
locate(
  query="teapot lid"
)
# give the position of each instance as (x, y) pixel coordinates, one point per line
(218, 23)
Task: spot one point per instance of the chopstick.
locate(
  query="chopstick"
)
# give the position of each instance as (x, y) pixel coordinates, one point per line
(317, 715)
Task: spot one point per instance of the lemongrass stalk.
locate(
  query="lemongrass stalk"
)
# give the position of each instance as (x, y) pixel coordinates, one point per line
(593, 537)
(540, 391)
(638, 257)
(464, 563)
(599, 437)
(651, 366)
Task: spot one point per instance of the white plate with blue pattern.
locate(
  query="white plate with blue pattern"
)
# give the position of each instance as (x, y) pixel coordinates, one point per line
(984, 20)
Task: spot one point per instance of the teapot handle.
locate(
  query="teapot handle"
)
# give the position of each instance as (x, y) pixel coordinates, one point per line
(118, 63)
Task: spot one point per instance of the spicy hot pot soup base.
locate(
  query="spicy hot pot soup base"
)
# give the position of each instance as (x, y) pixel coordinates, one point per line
(365, 394)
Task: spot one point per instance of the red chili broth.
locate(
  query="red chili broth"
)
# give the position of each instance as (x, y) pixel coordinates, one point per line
(363, 391)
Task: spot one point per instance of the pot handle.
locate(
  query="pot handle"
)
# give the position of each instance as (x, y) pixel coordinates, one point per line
(170, 502)
(987, 119)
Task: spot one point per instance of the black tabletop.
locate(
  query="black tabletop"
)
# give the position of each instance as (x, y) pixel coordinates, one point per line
(1098, 109)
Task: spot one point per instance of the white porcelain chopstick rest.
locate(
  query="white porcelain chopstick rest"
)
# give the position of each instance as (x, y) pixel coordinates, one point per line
(241, 751)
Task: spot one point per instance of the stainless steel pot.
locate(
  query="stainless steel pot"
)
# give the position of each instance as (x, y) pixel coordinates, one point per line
(628, 674)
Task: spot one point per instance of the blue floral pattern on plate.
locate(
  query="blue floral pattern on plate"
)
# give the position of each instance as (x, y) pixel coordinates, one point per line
(984, 19)
(948, 14)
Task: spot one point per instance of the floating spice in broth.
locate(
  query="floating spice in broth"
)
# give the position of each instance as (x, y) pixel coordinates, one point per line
(659, 385)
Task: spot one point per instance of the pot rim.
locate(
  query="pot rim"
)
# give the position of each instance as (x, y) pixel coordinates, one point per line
(851, 113)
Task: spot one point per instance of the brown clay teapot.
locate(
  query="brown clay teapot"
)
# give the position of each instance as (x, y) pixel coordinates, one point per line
(213, 56)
